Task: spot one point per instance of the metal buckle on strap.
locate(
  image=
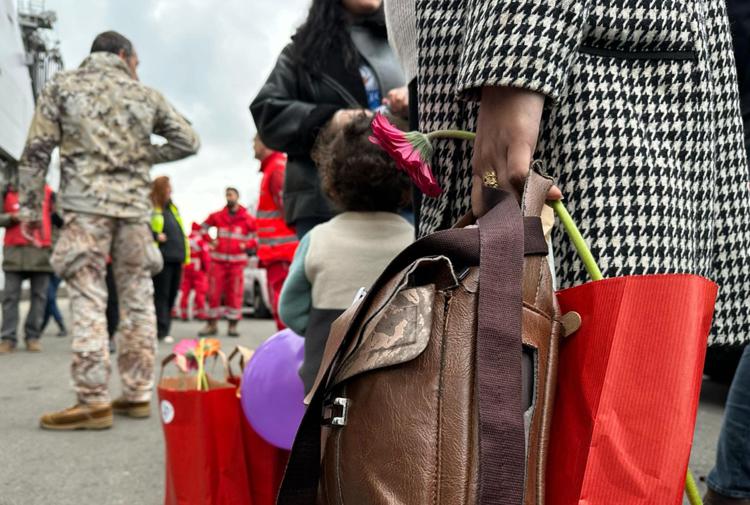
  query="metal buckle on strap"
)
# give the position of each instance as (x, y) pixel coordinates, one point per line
(335, 411)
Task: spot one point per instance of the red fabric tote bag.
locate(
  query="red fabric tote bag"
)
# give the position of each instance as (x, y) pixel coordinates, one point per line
(205, 458)
(628, 386)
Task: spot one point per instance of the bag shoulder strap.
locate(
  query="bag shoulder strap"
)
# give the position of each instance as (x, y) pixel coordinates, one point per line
(502, 453)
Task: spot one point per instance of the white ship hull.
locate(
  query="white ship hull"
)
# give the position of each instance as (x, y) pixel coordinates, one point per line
(16, 97)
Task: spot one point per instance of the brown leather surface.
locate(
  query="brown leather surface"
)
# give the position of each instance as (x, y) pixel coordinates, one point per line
(413, 420)
(388, 452)
(541, 331)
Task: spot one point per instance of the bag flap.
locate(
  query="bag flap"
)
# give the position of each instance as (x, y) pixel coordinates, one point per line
(346, 336)
(399, 333)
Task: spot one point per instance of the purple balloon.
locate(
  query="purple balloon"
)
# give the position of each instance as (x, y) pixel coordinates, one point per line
(272, 392)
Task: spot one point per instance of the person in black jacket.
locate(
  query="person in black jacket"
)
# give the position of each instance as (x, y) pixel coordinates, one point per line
(338, 65)
(167, 228)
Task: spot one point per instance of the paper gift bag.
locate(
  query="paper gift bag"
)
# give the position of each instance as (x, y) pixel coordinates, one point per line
(628, 388)
(205, 456)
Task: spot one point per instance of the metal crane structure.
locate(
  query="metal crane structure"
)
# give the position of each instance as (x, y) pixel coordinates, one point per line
(29, 57)
(43, 55)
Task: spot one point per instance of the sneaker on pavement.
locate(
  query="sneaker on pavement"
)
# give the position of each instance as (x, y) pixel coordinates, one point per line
(714, 498)
(95, 416)
(168, 339)
(33, 346)
(232, 331)
(62, 333)
(7, 347)
(138, 410)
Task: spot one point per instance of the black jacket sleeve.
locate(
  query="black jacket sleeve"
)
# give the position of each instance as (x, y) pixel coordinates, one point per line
(286, 120)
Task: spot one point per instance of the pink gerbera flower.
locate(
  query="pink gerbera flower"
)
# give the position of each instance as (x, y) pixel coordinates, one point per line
(185, 350)
(412, 152)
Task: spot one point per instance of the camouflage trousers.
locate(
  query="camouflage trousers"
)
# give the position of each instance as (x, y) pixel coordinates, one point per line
(80, 258)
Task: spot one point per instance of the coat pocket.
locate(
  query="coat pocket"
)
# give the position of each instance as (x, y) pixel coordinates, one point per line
(624, 29)
(76, 249)
(639, 55)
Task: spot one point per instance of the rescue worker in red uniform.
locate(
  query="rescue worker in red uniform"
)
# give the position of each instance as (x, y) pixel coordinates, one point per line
(195, 276)
(235, 230)
(276, 241)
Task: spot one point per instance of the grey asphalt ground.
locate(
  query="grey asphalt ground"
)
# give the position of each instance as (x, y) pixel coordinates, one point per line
(120, 466)
(125, 465)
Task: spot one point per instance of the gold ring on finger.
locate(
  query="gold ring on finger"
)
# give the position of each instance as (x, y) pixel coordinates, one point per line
(490, 179)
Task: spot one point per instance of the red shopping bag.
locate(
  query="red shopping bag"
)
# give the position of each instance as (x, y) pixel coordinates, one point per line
(205, 458)
(265, 465)
(628, 388)
(265, 462)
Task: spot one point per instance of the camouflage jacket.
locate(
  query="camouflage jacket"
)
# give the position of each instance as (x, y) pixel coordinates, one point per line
(102, 120)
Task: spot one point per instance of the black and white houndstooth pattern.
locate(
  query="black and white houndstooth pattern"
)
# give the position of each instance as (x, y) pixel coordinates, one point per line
(642, 131)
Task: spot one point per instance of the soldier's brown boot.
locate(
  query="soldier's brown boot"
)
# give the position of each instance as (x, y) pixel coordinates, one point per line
(714, 498)
(94, 416)
(210, 330)
(232, 330)
(138, 410)
(7, 347)
(33, 346)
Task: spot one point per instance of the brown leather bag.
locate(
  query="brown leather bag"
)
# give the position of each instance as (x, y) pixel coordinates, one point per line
(437, 386)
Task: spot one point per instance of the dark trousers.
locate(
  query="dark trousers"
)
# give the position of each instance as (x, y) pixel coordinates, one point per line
(113, 307)
(166, 287)
(12, 297)
(731, 475)
(52, 310)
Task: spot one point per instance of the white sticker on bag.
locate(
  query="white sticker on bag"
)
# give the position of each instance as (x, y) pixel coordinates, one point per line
(167, 411)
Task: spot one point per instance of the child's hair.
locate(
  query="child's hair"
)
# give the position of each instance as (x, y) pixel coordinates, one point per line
(358, 175)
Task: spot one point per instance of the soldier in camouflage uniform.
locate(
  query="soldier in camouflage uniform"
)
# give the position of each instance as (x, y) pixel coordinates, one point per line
(102, 119)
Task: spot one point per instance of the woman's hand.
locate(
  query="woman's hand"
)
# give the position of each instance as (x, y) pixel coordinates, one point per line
(507, 132)
(397, 100)
(161, 238)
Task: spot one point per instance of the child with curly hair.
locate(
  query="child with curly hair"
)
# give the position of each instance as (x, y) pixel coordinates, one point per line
(335, 259)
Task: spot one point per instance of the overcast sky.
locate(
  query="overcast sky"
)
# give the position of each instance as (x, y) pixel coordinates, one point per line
(209, 58)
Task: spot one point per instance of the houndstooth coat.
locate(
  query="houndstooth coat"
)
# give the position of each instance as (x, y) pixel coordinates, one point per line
(641, 129)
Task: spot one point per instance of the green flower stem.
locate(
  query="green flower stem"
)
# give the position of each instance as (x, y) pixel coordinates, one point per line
(451, 134)
(201, 366)
(691, 489)
(570, 227)
(578, 242)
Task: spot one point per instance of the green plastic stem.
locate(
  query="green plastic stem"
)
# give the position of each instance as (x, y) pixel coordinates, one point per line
(451, 134)
(578, 242)
(691, 490)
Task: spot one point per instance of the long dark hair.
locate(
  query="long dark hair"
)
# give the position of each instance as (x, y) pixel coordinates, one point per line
(326, 31)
